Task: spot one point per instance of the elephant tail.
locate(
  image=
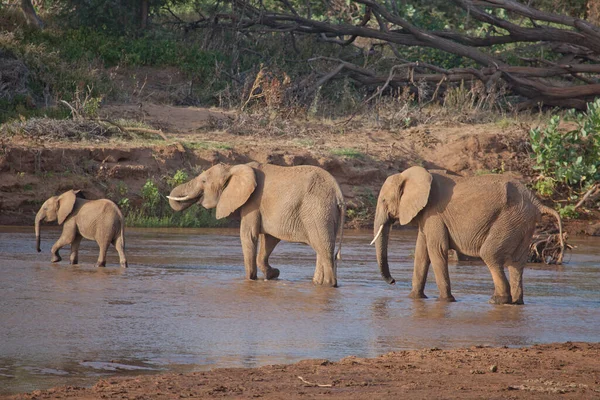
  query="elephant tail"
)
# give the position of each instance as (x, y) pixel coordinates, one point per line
(550, 211)
(342, 209)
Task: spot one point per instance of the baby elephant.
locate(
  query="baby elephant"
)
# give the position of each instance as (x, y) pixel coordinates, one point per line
(99, 220)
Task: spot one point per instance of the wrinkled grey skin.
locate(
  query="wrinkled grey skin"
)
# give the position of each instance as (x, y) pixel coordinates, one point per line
(489, 216)
(99, 220)
(298, 204)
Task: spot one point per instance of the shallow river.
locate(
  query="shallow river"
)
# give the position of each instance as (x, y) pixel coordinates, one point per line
(184, 305)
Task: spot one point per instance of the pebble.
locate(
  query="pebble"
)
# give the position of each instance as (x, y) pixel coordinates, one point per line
(494, 368)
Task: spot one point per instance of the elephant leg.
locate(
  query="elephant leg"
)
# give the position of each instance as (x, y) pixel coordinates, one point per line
(438, 254)
(119, 244)
(75, 250)
(318, 275)
(325, 273)
(102, 255)
(67, 236)
(501, 285)
(515, 270)
(516, 283)
(249, 238)
(267, 244)
(421, 268)
(496, 252)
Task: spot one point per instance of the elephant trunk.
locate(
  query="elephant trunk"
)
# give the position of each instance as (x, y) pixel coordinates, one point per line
(184, 195)
(381, 229)
(38, 218)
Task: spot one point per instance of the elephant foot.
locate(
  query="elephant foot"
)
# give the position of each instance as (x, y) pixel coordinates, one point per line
(101, 264)
(271, 273)
(415, 294)
(124, 264)
(500, 299)
(74, 261)
(448, 299)
(56, 258)
(519, 302)
(326, 282)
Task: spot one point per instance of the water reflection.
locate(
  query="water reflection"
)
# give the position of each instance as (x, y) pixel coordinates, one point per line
(183, 304)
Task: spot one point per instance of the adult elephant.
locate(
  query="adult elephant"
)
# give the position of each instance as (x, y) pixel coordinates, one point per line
(298, 204)
(488, 216)
(99, 220)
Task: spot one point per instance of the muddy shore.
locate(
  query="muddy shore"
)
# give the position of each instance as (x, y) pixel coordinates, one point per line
(566, 371)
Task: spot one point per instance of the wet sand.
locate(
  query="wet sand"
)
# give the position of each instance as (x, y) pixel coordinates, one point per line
(565, 371)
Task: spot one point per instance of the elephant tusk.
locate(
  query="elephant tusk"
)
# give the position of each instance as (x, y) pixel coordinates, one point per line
(184, 198)
(378, 234)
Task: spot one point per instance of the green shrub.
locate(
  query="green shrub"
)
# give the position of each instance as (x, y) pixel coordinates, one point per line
(567, 212)
(156, 212)
(151, 196)
(570, 157)
(545, 186)
(179, 178)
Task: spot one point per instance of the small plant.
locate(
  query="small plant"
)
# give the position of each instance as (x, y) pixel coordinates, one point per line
(545, 186)
(151, 196)
(121, 188)
(568, 211)
(125, 205)
(178, 178)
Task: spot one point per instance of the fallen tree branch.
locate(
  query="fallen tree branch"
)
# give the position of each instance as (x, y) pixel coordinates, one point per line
(314, 384)
(595, 189)
(135, 129)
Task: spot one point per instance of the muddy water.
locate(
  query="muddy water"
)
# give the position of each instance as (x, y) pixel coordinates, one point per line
(183, 304)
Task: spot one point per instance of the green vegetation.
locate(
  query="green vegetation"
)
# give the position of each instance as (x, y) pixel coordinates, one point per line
(545, 186)
(154, 210)
(569, 156)
(567, 212)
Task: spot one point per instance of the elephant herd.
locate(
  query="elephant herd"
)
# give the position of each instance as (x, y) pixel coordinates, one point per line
(489, 216)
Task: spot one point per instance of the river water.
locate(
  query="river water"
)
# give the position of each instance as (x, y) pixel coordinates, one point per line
(184, 305)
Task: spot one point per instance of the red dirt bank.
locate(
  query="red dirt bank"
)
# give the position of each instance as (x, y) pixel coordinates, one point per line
(568, 371)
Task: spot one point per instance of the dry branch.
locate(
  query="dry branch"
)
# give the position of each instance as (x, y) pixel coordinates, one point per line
(578, 42)
(547, 249)
(594, 190)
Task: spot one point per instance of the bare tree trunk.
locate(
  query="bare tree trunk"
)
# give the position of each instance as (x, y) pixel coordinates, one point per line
(145, 9)
(30, 14)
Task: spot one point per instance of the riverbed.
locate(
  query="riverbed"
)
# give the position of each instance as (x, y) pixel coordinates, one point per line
(184, 305)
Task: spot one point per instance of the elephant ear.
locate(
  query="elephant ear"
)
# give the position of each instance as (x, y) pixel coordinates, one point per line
(238, 188)
(66, 202)
(415, 189)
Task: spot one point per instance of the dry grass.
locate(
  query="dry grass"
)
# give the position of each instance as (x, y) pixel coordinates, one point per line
(75, 130)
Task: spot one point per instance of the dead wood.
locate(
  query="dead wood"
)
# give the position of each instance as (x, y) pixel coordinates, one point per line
(576, 40)
(546, 248)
